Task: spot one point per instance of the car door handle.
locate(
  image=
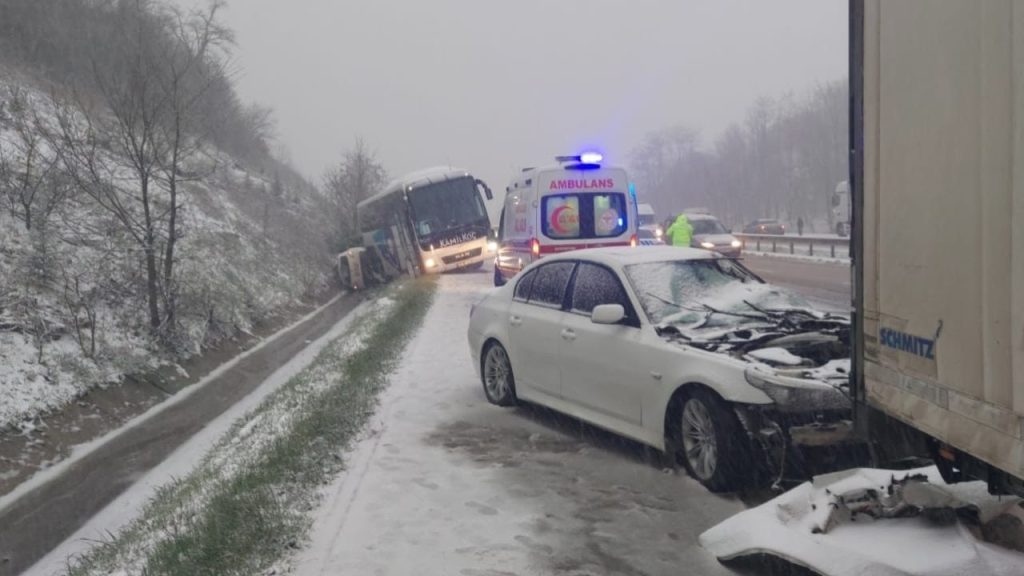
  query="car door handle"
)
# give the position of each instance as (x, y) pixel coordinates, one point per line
(568, 334)
(515, 321)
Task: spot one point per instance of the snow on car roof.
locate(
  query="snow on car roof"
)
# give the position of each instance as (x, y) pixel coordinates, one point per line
(625, 255)
(700, 217)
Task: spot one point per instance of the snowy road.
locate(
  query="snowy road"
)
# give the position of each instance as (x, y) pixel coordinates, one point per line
(825, 283)
(445, 483)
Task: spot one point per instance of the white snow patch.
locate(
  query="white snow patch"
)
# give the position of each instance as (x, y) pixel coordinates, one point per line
(801, 257)
(784, 527)
(777, 356)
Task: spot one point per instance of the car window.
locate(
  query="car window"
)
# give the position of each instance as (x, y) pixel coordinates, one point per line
(549, 286)
(594, 286)
(522, 292)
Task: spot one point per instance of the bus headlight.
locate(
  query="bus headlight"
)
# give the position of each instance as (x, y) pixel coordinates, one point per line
(492, 246)
(429, 263)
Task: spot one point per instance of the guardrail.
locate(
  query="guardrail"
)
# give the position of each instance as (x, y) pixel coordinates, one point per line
(791, 242)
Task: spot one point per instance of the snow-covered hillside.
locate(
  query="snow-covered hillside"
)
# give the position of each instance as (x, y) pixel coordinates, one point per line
(72, 282)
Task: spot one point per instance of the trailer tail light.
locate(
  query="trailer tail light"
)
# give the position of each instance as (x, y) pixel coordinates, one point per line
(633, 241)
(535, 246)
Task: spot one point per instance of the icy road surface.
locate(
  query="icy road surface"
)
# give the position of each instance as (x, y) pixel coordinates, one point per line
(826, 284)
(445, 483)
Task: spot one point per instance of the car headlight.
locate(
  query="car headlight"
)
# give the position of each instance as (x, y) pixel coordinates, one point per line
(492, 246)
(797, 394)
(736, 243)
(429, 263)
(707, 245)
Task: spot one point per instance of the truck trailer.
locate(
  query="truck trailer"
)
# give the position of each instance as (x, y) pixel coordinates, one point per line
(937, 179)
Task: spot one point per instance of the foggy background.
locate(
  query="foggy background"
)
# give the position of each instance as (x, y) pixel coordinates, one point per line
(495, 86)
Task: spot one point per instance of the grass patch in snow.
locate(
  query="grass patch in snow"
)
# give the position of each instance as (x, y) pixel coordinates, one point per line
(248, 502)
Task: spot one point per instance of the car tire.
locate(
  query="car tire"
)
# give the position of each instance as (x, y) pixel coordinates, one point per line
(710, 441)
(499, 280)
(496, 376)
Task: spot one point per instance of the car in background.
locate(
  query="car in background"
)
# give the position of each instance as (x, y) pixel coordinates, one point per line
(649, 236)
(680, 349)
(710, 234)
(765, 226)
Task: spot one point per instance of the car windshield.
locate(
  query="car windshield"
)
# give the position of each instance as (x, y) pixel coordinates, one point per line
(684, 291)
(445, 206)
(708, 226)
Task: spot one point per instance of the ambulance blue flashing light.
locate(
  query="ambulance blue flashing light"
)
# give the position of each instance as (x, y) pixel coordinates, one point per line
(591, 158)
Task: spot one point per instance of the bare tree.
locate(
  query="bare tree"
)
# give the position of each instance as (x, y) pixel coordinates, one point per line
(358, 177)
(133, 149)
(193, 62)
(29, 171)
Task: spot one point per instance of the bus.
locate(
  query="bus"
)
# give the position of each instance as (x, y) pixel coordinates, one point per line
(430, 221)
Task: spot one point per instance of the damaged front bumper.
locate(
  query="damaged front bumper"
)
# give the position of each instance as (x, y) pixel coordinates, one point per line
(806, 415)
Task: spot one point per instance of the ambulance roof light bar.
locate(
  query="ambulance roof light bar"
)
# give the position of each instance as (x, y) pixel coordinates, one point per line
(586, 159)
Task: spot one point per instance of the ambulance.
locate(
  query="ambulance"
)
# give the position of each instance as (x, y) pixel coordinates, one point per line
(577, 203)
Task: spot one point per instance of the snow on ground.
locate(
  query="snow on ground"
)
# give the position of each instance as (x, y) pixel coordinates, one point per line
(840, 258)
(127, 506)
(786, 526)
(232, 273)
(444, 483)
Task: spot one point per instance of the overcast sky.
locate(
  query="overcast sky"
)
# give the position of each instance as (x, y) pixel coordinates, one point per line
(493, 86)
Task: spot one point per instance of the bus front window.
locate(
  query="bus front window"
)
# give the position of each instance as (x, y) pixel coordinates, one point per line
(445, 206)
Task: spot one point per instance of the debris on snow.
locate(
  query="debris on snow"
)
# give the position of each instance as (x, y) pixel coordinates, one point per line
(879, 523)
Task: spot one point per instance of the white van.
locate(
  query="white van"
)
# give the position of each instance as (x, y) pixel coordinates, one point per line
(576, 204)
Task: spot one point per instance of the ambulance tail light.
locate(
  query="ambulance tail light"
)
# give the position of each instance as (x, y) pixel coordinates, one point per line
(535, 246)
(633, 241)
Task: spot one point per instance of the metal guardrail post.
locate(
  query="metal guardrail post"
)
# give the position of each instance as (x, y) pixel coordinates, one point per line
(811, 244)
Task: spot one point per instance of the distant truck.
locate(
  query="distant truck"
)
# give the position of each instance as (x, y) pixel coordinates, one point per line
(841, 209)
(937, 175)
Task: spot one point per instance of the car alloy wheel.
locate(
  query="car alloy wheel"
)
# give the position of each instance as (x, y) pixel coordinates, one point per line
(700, 443)
(499, 384)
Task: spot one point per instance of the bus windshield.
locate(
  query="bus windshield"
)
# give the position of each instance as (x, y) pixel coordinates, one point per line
(446, 206)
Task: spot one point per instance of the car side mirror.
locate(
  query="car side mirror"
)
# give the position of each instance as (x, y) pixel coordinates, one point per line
(486, 189)
(608, 314)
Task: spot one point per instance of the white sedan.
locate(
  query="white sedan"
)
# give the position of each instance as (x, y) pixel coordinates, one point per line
(678, 348)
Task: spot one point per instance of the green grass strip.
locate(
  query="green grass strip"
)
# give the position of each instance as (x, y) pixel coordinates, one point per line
(250, 517)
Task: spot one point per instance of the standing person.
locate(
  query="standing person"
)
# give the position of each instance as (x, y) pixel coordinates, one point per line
(681, 231)
(800, 226)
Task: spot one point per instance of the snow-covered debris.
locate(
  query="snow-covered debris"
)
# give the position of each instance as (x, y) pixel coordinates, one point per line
(870, 522)
(777, 355)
